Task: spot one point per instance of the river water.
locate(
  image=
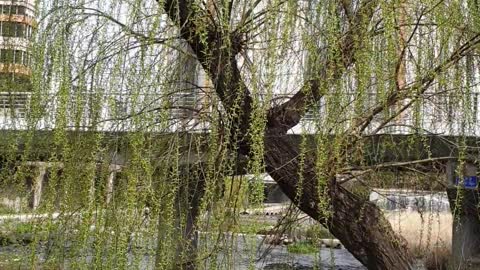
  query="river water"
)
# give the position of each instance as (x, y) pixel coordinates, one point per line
(278, 259)
(250, 252)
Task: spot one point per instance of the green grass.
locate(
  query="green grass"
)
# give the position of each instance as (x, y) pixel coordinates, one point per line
(317, 232)
(252, 227)
(18, 261)
(4, 210)
(10, 261)
(22, 228)
(16, 233)
(302, 248)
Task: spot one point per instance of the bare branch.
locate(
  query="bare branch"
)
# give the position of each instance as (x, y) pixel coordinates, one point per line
(287, 115)
(216, 50)
(417, 88)
(370, 169)
(127, 29)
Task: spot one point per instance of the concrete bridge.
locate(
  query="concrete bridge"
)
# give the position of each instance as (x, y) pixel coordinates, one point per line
(382, 152)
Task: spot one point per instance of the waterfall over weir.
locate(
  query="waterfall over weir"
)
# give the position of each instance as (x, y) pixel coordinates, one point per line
(408, 200)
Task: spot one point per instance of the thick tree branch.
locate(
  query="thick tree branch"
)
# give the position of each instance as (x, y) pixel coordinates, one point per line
(287, 115)
(216, 50)
(352, 220)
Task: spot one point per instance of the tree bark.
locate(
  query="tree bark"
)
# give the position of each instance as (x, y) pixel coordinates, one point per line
(186, 211)
(358, 224)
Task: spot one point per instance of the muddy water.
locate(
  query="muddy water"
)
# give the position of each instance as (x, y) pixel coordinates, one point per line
(270, 257)
(280, 259)
(251, 252)
(246, 253)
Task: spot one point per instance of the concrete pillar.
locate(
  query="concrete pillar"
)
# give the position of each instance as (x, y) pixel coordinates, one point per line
(466, 227)
(463, 195)
(38, 186)
(451, 166)
(113, 168)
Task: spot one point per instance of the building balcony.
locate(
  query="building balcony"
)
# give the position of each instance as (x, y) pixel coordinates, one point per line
(16, 26)
(17, 7)
(17, 69)
(17, 43)
(25, 19)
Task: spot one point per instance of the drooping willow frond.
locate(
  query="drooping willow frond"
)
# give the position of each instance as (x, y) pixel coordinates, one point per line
(130, 128)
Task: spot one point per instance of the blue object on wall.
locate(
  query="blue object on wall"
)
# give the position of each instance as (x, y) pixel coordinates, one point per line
(468, 181)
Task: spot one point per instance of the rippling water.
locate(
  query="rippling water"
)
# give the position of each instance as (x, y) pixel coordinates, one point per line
(330, 259)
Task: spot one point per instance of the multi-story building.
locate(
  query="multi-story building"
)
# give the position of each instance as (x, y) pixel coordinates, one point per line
(16, 26)
(189, 98)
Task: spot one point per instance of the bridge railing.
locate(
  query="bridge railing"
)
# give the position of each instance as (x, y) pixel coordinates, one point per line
(102, 112)
(445, 114)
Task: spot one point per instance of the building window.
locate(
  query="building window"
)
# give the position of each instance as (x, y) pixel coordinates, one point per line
(15, 29)
(120, 108)
(6, 9)
(185, 103)
(8, 56)
(13, 10)
(13, 104)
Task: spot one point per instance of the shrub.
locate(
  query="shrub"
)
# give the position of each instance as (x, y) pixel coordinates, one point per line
(302, 248)
(316, 232)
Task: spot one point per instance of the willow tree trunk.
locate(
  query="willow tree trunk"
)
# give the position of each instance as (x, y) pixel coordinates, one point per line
(358, 224)
(188, 208)
(186, 211)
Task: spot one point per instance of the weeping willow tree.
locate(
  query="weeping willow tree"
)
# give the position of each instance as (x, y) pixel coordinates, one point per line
(142, 113)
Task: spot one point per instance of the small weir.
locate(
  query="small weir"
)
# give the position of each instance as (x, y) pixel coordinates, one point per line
(404, 200)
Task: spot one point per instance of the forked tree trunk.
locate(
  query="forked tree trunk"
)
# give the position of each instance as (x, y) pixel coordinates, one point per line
(358, 224)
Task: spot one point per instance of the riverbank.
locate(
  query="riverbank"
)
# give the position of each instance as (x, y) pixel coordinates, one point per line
(248, 244)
